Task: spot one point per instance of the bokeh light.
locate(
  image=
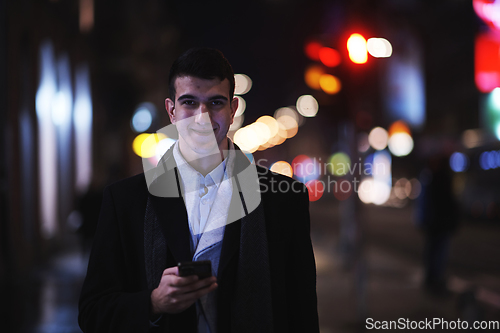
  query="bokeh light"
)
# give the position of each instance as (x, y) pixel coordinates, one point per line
(379, 47)
(262, 132)
(409, 189)
(400, 144)
(399, 127)
(143, 117)
(377, 189)
(283, 168)
(289, 111)
(299, 163)
(356, 46)
(265, 145)
(82, 122)
(472, 138)
(381, 192)
(483, 161)
(363, 144)
(486, 60)
(312, 76)
(381, 168)
(329, 57)
(271, 123)
(246, 139)
(495, 98)
(243, 84)
(242, 105)
(280, 137)
(339, 164)
(307, 106)
(61, 108)
(289, 124)
(400, 188)
(378, 138)
(489, 160)
(305, 168)
(459, 162)
(141, 120)
(330, 84)
(343, 189)
(311, 50)
(368, 164)
(488, 11)
(364, 191)
(145, 144)
(374, 191)
(416, 188)
(162, 147)
(316, 189)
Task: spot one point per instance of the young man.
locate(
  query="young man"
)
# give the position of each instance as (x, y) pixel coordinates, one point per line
(204, 201)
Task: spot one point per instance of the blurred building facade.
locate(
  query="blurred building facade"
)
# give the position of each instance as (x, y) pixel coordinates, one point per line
(46, 124)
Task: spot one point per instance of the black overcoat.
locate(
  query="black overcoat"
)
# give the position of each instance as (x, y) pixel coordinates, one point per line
(115, 296)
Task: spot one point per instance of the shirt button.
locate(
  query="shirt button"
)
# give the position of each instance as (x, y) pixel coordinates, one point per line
(204, 201)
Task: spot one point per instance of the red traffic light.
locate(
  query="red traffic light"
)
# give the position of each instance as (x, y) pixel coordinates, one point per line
(356, 46)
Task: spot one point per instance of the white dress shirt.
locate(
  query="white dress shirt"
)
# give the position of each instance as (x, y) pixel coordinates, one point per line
(207, 199)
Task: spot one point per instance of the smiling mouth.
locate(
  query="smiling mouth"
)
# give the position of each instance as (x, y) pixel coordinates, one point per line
(204, 132)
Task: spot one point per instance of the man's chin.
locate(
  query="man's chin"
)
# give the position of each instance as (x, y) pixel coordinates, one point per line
(205, 148)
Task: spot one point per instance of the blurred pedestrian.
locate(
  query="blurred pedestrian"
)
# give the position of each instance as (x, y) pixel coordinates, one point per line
(438, 217)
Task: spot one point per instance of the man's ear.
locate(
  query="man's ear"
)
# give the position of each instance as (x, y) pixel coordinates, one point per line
(169, 106)
(234, 107)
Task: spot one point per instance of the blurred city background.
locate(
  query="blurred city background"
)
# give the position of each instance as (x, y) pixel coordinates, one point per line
(388, 110)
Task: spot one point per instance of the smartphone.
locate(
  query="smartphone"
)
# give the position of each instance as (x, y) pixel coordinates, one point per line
(201, 268)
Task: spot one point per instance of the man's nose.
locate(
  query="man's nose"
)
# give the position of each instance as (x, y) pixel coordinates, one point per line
(202, 115)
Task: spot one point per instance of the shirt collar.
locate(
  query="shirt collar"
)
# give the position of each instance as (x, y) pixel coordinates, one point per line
(190, 176)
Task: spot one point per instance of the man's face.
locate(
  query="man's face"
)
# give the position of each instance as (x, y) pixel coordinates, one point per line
(202, 113)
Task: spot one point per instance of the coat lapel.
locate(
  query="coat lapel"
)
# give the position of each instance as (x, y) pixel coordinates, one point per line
(173, 220)
(231, 242)
(170, 208)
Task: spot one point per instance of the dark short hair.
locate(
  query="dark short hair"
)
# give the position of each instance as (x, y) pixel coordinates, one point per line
(204, 63)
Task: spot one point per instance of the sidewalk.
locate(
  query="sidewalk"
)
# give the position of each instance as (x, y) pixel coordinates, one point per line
(393, 278)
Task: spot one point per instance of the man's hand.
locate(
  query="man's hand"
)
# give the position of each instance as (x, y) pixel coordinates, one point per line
(175, 294)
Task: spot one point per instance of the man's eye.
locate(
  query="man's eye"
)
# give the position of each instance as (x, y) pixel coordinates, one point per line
(188, 102)
(217, 103)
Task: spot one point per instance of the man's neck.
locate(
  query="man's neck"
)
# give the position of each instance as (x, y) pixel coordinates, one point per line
(203, 163)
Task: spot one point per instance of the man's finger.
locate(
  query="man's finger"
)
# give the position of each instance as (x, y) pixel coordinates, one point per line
(171, 271)
(192, 296)
(183, 281)
(203, 291)
(199, 284)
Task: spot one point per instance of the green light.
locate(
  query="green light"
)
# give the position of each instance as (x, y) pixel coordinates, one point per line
(490, 111)
(339, 164)
(495, 99)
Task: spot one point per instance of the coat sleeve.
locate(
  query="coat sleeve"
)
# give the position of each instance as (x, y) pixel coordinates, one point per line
(301, 281)
(107, 304)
